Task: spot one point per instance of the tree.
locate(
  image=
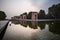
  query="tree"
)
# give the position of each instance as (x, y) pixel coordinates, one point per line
(41, 14)
(54, 11)
(2, 15)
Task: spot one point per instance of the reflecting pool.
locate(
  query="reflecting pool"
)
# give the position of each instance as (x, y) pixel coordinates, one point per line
(32, 30)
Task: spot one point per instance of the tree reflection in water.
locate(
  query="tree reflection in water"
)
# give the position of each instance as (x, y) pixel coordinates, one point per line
(54, 26)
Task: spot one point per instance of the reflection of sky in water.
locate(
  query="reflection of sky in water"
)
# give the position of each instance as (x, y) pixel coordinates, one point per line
(18, 32)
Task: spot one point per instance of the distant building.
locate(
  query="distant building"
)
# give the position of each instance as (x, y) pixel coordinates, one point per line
(12, 18)
(15, 18)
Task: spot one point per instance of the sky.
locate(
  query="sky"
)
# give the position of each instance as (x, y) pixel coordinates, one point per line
(17, 7)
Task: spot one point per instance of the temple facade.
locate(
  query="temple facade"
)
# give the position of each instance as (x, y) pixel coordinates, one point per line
(34, 15)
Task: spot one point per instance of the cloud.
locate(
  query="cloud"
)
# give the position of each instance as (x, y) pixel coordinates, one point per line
(16, 7)
(38, 3)
(44, 4)
(41, 4)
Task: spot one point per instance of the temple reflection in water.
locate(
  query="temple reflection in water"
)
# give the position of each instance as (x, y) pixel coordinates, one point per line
(54, 26)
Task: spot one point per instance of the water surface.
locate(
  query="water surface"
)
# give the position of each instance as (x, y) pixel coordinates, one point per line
(32, 30)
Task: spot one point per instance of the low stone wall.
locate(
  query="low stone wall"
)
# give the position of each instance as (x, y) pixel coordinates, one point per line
(3, 30)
